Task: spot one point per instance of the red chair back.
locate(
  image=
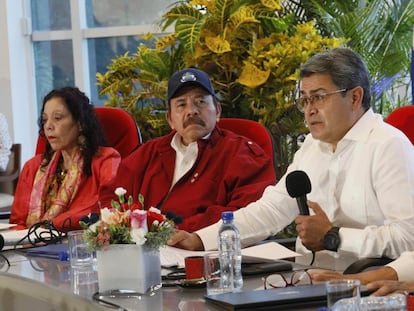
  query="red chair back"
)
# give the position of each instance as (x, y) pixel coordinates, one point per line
(253, 130)
(120, 129)
(403, 119)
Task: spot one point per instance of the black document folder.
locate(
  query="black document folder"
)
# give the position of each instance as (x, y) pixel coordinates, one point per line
(272, 299)
(266, 267)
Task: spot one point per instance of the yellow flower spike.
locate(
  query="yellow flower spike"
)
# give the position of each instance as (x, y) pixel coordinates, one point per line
(252, 76)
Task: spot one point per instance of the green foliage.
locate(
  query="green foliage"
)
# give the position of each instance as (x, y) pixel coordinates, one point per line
(249, 48)
(124, 223)
(158, 236)
(252, 50)
(380, 31)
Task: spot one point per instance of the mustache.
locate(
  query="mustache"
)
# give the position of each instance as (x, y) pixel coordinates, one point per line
(193, 120)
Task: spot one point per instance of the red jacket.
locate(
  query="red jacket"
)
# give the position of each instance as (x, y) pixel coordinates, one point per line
(230, 172)
(104, 167)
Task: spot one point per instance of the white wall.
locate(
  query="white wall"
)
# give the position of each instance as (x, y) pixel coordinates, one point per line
(17, 95)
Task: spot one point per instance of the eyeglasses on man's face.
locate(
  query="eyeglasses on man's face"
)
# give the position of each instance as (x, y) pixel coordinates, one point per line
(316, 99)
(278, 280)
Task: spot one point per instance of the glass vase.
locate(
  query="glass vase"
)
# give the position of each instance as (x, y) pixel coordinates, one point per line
(129, 267)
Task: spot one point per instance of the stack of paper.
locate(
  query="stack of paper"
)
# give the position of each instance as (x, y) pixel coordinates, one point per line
(266, 252)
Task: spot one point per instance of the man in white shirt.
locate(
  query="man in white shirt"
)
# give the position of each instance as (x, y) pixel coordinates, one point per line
(5, 143)
(361, 170)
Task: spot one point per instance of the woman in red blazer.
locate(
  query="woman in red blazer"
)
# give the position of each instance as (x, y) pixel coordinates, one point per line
(62, 184)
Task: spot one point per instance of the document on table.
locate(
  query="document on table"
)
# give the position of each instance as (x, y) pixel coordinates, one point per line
(265, 252)
(12, 237)
(4, 226)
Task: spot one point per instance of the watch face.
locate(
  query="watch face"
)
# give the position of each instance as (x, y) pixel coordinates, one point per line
(331, 241)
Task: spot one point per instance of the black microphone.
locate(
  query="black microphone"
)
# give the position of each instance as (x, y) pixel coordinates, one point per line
(298, 185)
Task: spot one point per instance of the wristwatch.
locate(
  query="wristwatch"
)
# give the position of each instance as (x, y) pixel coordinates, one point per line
(331, 240)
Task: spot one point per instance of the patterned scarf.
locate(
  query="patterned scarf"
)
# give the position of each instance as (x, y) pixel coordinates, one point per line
(49, 198)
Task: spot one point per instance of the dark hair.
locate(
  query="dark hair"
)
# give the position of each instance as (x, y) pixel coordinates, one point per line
(346, 68)
(83, 112)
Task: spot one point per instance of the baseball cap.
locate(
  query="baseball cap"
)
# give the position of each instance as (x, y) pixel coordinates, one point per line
(189, 76)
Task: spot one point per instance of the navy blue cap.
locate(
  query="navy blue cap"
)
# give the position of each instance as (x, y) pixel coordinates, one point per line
(189, 76)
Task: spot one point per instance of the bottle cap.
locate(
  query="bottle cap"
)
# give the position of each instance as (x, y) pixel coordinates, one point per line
(227, 216)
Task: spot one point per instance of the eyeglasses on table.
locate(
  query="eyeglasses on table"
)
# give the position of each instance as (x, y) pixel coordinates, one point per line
(277, 280)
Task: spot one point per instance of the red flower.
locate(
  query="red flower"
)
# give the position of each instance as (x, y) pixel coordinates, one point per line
(154, 216)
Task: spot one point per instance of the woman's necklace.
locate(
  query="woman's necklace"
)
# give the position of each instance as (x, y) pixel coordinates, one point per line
(61, 173)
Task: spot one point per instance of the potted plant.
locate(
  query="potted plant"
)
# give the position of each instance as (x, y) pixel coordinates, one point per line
(127, 239)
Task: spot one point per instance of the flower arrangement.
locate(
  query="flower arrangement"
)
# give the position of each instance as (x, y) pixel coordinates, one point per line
(126, 223)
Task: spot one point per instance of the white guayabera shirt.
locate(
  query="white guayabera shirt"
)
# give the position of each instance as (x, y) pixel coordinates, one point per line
(5, 143)
(365, 187)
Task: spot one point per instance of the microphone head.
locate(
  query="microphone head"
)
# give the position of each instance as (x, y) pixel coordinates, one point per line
(298, 184)
(93, 217)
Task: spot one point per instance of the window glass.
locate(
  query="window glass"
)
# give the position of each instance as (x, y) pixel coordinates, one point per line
(101, 52)
(50, 15)
(107, 13)
(53, 66)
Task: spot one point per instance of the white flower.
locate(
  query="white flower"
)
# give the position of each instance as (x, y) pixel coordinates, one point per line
(94, 227)
(138, 235)
(120, 191)
(106, 214)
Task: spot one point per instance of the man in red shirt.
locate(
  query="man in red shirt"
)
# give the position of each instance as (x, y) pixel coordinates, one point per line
(198, 170)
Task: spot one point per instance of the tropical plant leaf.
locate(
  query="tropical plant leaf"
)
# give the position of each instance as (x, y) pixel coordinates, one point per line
(217, 44)
(272, 4)
(222, 11)
(240, 17)
(251, 76)
(177, 13)
(188, 31)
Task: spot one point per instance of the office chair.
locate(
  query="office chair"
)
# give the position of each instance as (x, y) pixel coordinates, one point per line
(120, 129)
(253, 130)
(261, 135)
(11, 175)
(403, 119)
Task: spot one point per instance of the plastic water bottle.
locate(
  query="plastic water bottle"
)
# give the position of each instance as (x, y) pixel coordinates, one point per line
(230, 254)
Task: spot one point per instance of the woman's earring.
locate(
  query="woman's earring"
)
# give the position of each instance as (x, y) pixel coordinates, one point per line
(81, 141)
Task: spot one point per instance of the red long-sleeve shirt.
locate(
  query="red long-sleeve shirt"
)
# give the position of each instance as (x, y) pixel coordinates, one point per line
(104, 168)
(230, 171)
